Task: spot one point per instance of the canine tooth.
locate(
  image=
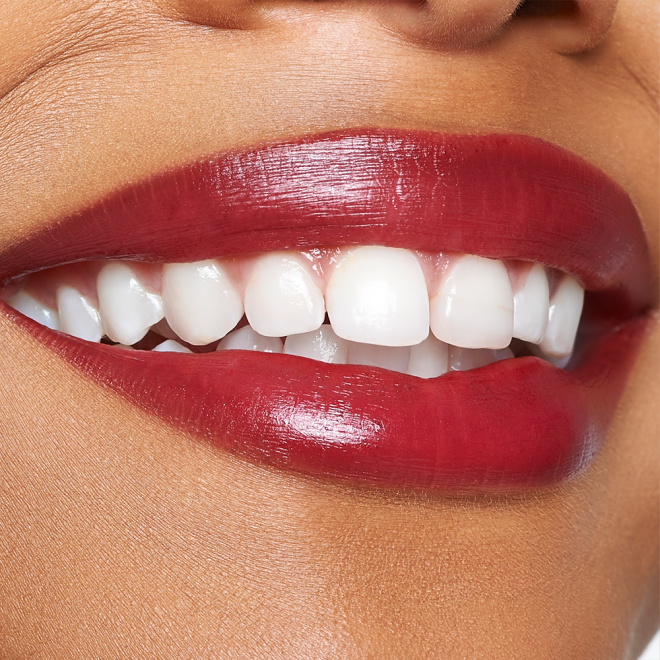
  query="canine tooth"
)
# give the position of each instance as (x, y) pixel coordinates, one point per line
(394, 358)
(474, 306)
(248, 339)
(127, 310)
(563, 318)
(24, 303)
(531, 305)
(322, 345)
(78, 317)
(428, 359)
(200, 302)
(281, 297)
(462, 359)
(170, 346)
(377, 295)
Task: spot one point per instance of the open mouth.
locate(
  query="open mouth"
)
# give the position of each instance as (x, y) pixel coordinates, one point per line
(388, 307)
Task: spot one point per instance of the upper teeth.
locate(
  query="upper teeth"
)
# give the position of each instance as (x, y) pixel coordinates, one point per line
(531, 305)
(380, 302)
(281, 297)
(128, 310)
(474, 305)
(378, 295)
(200, 302)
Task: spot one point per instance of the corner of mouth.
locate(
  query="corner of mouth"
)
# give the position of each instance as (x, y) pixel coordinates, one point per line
(474, 200)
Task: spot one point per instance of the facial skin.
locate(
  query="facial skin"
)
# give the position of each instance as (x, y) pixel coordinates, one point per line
(121, 537)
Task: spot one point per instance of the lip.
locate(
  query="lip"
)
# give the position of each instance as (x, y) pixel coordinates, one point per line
(511, 426)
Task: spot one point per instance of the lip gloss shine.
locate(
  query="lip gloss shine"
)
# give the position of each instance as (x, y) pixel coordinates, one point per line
(513, 425)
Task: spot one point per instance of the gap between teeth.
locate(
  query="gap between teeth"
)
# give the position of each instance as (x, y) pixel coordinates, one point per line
(416, 313)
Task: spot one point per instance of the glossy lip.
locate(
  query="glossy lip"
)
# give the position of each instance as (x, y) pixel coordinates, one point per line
(513, 425)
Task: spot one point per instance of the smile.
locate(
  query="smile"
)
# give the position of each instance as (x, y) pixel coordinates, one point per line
(418, 295)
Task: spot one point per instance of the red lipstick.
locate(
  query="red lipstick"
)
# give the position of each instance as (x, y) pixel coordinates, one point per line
(512, 425)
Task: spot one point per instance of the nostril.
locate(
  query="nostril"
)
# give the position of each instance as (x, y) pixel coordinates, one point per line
(568, 26)
(554, 8)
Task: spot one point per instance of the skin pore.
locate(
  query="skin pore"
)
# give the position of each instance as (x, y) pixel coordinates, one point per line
(121, 537)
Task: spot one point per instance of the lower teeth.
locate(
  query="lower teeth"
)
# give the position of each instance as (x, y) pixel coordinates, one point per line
(430, 359)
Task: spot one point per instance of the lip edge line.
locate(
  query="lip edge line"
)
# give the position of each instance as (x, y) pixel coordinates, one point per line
(326, 138)
(637, 327)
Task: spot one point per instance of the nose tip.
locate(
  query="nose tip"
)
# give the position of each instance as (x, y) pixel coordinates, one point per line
(565, 26)
(457, 24)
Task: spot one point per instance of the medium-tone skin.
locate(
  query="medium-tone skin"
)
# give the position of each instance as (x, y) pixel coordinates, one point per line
(122, 538)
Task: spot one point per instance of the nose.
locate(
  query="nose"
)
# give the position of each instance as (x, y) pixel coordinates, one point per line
(453, 24)
(567, 26)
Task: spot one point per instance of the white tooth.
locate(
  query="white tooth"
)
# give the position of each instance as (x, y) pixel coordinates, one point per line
(281, 297)
(563, 318)
(428, 359)
(200, 302)
(560, 363)
(474, 306)
(322, 345)
(462, 359)
(394, 358)
(24, 303)
(78, 316)
(247, 339)
(170, 346)
(127, 310)
(377, 295)
(530, 306)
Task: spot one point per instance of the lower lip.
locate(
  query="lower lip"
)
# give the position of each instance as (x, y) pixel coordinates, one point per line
(512, 426)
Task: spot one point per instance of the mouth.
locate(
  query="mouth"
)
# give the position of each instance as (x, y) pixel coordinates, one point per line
(391, 308)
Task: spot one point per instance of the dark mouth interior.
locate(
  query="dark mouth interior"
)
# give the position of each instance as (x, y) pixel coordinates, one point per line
(547, 8)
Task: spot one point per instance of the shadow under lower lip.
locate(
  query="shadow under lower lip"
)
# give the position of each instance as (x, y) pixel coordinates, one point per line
(511, 426)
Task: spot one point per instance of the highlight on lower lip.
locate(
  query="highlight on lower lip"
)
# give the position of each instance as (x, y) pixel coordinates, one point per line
(511, 426)
(516, 424)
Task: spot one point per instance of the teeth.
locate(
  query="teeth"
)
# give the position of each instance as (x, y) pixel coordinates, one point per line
(24, 303)
(281, 297)
(127, 310)
(530, 306)
(322, 345)
(78, 317)
(563, 318)
(377, 295)
(201, 304)
(376, 298)
(394, 358)
(560, 363)
(428, 359)
(474, 306)
(462, 359)
(170, 346)
(247, 339)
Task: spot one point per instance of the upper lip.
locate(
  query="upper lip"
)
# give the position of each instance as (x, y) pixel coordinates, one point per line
(513, 424)
(504, 196)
